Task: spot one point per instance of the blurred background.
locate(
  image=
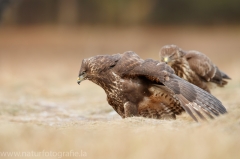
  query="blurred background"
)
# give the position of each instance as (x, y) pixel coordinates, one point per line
(42, 44)
(82, 28)
(119, 12)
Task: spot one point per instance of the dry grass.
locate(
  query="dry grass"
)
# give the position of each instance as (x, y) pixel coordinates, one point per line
(43, 109)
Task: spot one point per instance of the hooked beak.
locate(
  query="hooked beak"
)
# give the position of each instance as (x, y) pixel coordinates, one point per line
(166, 59)
(80, 78)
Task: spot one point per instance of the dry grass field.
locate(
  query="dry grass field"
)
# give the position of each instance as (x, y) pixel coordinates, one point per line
(45, 114)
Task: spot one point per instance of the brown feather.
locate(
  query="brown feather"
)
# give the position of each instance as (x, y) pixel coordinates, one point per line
(193, 66)
(148, 88)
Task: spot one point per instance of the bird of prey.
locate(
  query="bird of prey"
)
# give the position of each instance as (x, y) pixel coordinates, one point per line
(193, 66)
(147, 88)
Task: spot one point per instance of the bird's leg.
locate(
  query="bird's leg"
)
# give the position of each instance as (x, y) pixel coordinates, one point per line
(130, 109)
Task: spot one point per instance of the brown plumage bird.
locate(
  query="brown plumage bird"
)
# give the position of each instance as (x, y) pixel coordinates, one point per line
(193, 66)
(148, 88)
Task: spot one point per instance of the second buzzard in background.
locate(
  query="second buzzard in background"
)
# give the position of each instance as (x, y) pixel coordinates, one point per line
(193, 66)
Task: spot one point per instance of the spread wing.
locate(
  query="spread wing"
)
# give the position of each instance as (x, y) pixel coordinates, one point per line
(194, 100)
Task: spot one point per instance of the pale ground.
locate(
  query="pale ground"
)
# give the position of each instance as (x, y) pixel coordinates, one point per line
(42, 108)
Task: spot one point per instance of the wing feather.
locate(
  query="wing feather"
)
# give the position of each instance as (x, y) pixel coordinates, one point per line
(201, 64)
(188, 94)
(196, 95)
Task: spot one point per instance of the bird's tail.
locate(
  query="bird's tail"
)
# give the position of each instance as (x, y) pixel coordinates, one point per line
(224, 75)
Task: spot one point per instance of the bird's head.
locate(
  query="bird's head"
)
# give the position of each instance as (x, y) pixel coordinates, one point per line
(96, 66)
(171, 54)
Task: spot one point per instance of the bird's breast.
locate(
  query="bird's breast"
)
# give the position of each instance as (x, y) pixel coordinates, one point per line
(184, 71)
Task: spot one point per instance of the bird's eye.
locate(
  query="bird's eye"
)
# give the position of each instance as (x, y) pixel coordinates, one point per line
(83, 72)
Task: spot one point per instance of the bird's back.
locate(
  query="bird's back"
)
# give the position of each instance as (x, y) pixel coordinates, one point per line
(205, 68)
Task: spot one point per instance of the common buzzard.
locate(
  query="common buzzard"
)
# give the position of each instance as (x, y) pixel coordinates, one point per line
(147, 88)
(193, 66)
